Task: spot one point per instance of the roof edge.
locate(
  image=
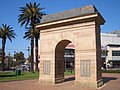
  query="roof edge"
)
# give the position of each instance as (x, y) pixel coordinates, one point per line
(69, 13)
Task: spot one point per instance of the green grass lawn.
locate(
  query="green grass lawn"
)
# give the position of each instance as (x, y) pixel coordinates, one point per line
(111, 71)
(11, 76)
(69, 72)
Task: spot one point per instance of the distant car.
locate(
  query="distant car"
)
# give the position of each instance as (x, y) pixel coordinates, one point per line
(12, 68)
(25, 67)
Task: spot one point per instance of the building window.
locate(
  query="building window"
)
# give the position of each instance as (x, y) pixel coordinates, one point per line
(115, 53)
(69, 51)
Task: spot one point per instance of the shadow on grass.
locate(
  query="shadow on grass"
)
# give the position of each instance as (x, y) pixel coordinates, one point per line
(9, 75)
(107, 79)
(1, 76)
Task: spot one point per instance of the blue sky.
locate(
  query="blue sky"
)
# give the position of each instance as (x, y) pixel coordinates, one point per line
(9, 11)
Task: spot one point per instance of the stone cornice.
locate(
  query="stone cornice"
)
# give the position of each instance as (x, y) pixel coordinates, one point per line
(79, 19)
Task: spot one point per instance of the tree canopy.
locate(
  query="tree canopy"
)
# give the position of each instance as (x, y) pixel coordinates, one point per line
(19, 58)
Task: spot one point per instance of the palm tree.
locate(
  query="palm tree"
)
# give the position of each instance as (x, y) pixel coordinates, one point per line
(30, 15)
(36, 34)
(28, 35)
(6, 32)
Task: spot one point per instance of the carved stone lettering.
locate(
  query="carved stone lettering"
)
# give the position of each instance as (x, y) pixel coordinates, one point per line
(46, 67)
(85, 68)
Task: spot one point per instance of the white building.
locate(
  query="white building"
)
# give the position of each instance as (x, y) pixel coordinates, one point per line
(110, 44)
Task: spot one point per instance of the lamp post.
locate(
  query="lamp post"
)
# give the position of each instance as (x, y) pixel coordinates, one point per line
(14, 59)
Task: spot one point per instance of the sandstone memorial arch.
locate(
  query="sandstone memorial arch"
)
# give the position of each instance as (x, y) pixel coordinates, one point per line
(81, 27)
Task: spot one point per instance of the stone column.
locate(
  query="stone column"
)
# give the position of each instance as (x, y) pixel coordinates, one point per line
(88, 56)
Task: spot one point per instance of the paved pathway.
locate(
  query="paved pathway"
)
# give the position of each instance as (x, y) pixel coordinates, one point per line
(112, 82)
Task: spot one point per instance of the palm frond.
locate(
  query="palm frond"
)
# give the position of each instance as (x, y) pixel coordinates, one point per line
(29, 12)
(28, 34)
(7, 32)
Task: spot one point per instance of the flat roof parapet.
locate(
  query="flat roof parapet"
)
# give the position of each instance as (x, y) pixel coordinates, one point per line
(69, 13)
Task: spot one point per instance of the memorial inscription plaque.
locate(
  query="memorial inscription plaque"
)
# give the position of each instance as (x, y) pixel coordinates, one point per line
(46, 67)
(85, 68)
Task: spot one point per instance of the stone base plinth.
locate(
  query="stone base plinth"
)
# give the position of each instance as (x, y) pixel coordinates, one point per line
(49, 81)
(59, 80)
(89, 84)
(100, 83)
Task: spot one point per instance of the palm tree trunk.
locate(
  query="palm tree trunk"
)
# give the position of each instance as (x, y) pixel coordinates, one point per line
(32, 45)
(36, 52)
(3, 53)
(32, 54)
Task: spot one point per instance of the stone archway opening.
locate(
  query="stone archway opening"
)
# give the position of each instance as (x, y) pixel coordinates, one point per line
(64, 61)
(69, 57)
(79, 26)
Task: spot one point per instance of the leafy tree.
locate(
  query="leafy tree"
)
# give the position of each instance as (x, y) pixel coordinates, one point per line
(20, 59)
(6, 32)
(10, 60)
(29, 58)
(30, 15)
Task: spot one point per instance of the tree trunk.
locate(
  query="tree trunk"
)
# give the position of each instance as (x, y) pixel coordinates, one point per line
(3, 53)
(32, 54)
(36, 53)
